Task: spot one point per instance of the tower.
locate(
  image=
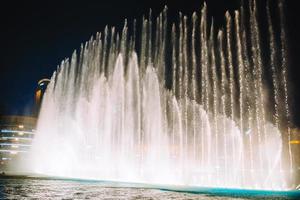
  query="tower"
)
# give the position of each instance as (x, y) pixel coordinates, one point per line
(39, 93)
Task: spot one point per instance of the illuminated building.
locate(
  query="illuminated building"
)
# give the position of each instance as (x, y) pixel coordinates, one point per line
(39, 93)
(295, 147)
(16, 134)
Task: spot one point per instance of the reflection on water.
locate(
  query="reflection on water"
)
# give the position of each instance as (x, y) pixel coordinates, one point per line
(61, 189)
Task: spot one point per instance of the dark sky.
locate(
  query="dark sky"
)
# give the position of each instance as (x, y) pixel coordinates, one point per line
(36, 35)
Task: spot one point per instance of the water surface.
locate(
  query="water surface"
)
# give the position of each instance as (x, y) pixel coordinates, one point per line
(32, 188)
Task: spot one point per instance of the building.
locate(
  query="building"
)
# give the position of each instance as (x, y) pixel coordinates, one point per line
(16, 134)
(39, 93)
(295, 147)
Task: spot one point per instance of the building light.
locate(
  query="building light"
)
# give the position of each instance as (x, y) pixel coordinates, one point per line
(295, 142)
(12, 151)
(38, 95)
(12, 144)
(15, 131)
(16, 138)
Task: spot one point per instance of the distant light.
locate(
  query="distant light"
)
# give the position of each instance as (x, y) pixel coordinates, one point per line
(295, 142)
(12, 151)
(38, 95)
(21, 133)
(21, 126)
(14, 146)
(16, 138)
(15, 131)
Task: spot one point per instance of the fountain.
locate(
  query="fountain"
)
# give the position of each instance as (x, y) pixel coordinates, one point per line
(174, 103)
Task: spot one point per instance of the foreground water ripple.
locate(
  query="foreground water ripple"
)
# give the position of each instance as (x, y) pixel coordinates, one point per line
(61, 189)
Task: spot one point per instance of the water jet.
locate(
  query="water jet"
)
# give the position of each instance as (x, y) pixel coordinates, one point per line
(185, 104)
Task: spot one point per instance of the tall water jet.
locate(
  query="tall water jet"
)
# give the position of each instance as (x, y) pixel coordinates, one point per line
(177, 104)
(284, 81)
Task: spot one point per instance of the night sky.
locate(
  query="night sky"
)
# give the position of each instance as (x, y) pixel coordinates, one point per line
(36, 35)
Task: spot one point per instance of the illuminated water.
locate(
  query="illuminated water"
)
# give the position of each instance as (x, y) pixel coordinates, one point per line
(184, 104)
(30, 188)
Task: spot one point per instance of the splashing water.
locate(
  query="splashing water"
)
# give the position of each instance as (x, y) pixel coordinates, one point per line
(188, 109)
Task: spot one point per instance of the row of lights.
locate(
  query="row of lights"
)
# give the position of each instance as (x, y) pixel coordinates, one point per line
(16, 131)
(14, 146)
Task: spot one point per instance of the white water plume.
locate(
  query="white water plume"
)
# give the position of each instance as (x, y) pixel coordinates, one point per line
(187, 109)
